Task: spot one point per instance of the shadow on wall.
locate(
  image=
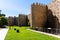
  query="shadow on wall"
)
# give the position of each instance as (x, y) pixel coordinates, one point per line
(52, 23)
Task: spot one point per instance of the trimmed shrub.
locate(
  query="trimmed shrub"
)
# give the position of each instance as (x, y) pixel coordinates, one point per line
(17, 31)
(14, 28)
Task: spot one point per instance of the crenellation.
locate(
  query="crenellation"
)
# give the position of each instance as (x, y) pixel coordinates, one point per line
(37, 3)
(33, 4)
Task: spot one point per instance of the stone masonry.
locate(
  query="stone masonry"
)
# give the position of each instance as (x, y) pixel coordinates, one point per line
(55, 8)
(46, 16)
(39, 15)
(10, 21)
(21, 20)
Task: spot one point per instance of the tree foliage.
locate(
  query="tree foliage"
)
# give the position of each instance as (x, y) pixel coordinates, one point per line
(2, 15)
(3, 20)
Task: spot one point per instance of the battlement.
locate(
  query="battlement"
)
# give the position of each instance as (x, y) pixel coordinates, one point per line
(38, 4)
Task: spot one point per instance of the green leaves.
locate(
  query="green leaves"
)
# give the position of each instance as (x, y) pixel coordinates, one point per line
(2, 15)
(3, 21)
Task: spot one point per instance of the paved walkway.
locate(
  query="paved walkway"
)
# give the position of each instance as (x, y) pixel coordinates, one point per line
(58, 36)
(3, 33)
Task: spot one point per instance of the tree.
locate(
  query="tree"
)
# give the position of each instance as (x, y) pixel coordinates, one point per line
(3, 21)
(2, 15)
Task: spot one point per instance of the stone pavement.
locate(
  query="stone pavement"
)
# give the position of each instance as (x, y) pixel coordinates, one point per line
(58, 36)
(3, 32)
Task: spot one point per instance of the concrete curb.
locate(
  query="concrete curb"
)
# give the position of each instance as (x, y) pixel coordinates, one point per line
(57, 36)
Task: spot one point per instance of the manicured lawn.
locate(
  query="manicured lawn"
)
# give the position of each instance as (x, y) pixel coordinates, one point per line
(26, 35)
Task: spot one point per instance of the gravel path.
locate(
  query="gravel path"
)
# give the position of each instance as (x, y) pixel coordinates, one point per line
(3, 33)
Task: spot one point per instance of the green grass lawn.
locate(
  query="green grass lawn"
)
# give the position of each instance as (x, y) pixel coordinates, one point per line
(26, 35)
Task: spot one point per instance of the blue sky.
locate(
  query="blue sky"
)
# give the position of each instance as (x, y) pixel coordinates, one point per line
(15, 7)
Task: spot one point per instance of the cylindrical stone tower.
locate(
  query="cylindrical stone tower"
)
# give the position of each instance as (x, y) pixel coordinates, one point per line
(38, 15)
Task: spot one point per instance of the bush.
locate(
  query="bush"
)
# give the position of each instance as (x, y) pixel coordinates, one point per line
(17, 31)
(14, 28)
